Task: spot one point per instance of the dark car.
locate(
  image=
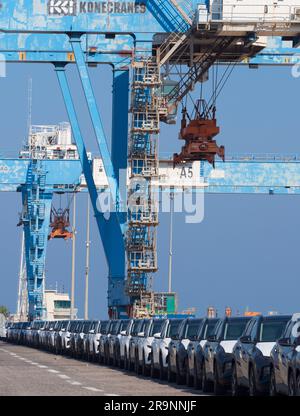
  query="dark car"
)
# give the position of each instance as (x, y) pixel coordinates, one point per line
(114, 341)
(251, 355)
(137, 329)
(104, 331)
(83, 330)
(217, 368)
(177, 358)
(160, 347)
(283, 379)
(195, 353)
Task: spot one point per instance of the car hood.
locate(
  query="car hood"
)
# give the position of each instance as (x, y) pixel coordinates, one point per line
(265, 348)
(228, 346)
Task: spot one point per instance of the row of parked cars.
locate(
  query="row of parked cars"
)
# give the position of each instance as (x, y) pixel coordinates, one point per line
(256, 356)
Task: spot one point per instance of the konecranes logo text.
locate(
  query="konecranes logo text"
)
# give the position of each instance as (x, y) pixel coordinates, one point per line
(74, 7)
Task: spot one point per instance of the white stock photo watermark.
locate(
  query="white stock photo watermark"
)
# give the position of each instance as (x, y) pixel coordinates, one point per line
(296, 68)
(143, 200)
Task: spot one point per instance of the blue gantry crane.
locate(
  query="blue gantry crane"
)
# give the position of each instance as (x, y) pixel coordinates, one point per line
(146, 43)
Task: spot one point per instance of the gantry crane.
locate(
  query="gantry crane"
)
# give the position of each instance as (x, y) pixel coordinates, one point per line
(144, 42)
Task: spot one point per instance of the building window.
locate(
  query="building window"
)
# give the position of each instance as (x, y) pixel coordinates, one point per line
(62, 304)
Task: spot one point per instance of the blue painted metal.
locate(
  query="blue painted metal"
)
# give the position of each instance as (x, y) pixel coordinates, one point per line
(61, 174)
(119, 143)
(252, 174)
(75, 40)
(37, 200)
(110, 232)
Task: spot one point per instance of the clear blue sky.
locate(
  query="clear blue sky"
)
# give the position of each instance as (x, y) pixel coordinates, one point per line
(244, 253)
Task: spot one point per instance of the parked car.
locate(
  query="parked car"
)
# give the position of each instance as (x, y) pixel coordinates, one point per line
(124, 341)
(112, 330)
(177, 360)
(283, 379)
(195, 355)
(251, 354)
(144, 355)
(83, 330)
(160, 344)
(44, 335)
(93, 338)
(71, 338)
(113, 348)
(217, 351)
(58, 336)
(104, 331)
(137, 328)
(51, 335)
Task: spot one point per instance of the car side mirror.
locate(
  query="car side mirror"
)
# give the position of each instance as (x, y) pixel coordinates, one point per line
(123, 333)
(284, 342)
(141, 334)
(246, 339)
(212, 338)
(157, 335)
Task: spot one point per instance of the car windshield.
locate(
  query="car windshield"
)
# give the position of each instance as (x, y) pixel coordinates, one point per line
(271, 330)
(86, 327)
(104, 326)
(210, 328)
(193, 330)
(136, 328)
(173, 329)
(156, 327)
(234, 329)
(124, 325)
(114, 328)
(65, 325)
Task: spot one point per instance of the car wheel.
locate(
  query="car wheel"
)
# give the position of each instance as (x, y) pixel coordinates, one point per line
(252, 383)
(292, 387)
(197, 377)
(206, 385)
(219, 390)
(137, 367)
(273, 388)
(189, 380)
(236, 389)
(179, 378)
(171, 377)
(145, 369)
(161, 369)
(298, 385)
(120, 362)
(153, 372)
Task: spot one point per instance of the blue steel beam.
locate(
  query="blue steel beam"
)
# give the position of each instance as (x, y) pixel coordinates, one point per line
(253, 175)
(253, 172)
(75, 40)
(119, 143)
(94, 17)
(110, 232)
(61, 174)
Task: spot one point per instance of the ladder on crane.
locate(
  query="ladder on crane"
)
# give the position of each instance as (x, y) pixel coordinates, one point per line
(181, 15)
